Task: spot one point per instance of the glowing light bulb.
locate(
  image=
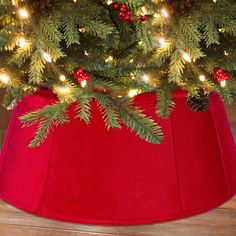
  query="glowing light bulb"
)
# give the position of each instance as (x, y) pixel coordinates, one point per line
(62, 90)
(14, 2)
(83, 83)
(109, 59)
(22, 42)
(133, 77)
(162, 42)
(46, 57)
(156, 15)
(4, 78)
(145, 78)
(132, 93)
(62, 78)
(186, 57)
(223, 83)
(23, 13)
(144, 11)
(109, 2)
(164, 13)
(202, 78)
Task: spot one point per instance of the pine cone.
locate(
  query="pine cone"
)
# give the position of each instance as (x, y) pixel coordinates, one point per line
(39, 6)
(179, 6)
(199, 103)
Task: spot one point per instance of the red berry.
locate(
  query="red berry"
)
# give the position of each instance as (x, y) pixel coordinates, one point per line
(126, 18)
(132, 20)
(129, 13)
(116, 6)
(220, 75)
(122, 15)
(80, 75)
(143, 18)
(123, 8)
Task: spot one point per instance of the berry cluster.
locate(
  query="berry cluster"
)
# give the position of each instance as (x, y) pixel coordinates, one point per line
(81, 75)
(220, 75)
(126, 15)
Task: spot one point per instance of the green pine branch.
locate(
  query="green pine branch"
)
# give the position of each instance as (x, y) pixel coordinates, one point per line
(142, 125)
(46, 118)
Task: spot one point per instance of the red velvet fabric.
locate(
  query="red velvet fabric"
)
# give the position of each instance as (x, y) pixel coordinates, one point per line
(87, 174)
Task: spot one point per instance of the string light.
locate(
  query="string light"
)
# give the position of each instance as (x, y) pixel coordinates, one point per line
(223, 83)
(4, 78)
(131, 60)
(164, 13)
(202, 78)
(86, 53)
(23, 13)
(46, 57)
(83, 83)
(140, 43)
(109, 2)
(226, 53)
(14, 2)
(145, 78)
(144, 10)
(132, 93)
(133, 77)
(109, 59)
(62, 90)
(162, 42)
(22, 42)
(185, 56)
(62, 78)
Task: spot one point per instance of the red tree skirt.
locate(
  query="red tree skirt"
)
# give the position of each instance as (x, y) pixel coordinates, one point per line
(88, 174)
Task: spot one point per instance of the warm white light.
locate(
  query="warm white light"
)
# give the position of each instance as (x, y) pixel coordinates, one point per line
(62, 78)
(14, 2)
(226, 53)
(131, 60)
(83, 83)
(186, 57)
(132, 93)
(164, 13)
(4, 78)
(223, 83)
(162, 42)
(109, 2)
(22, 42)
(140, 43)
(145, 78)
(133, 77)
(23, 13)
(202, 78)
(109, 59)
(63, 90)
(46, 57)
(144, 10)
(156, 15)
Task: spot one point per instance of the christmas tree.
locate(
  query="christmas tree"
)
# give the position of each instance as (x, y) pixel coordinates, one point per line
(111, 51)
